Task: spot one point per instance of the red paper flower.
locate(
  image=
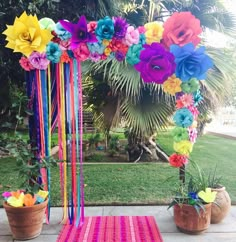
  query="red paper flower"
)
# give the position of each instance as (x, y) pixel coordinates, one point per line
(65, 57)
(181, 28)
(177, 160)
(25, 64)
(179, 104)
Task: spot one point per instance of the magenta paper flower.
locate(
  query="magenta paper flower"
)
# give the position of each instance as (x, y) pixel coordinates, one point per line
(79, 32)
(194, 111)
(95, 57)
(156, 64)
(25, 64)
(39, 60)
(6, 194)
(131, 36)
(81, 53)
(65, 44)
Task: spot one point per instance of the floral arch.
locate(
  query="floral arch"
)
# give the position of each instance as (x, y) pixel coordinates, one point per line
(52, 54)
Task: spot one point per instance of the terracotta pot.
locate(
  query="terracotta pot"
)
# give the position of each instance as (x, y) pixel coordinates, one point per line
(218, 213)
(189, 221)
(26, 222)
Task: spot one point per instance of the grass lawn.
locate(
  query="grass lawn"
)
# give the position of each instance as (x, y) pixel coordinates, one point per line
(140, 183)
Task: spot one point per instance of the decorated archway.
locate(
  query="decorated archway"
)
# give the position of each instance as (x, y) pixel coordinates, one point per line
(165, 54)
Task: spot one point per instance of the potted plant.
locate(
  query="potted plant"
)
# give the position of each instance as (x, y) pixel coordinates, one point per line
(192, 205)
(222, 205)
(25, 208)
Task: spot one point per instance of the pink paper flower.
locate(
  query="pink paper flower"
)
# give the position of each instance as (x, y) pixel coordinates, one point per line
(6, 194)
(192, 134)
(39, 60)
(187, 100)
(141, 29)
(25, 64)
(131, 36)
(95, 57)
(65, 44)
(81, 53)
(92, 26)
(194, 111)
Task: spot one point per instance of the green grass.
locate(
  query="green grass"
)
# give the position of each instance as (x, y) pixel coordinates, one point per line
(139, 183)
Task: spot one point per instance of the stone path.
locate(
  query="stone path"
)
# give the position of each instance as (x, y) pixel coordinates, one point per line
(223, 232)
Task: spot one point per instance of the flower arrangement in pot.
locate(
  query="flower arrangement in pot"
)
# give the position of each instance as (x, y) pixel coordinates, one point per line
(25, 208)
(192, 205)
(222, 205)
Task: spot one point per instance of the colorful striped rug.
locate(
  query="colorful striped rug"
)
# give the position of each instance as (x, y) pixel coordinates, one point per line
(113, 229)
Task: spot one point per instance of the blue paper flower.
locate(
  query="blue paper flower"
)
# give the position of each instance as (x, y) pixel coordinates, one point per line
(133, 54)
(183, 118)
(190, 62)
(197, 98)
(53, 52)
(39, 199)
(105, 28)
(96, 47)
(61, 32)
(142, 39)
(193, 195)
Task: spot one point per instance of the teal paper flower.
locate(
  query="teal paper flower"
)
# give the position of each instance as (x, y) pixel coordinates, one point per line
(133, 54)
(62, 33)
(53, 52)
(96, 48)
(183, 118)
(190, 86)
(105, 28)
(179, 134)
(197, 98)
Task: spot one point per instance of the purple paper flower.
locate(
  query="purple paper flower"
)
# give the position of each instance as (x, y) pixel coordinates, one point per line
(120, 56)
(79, 32)
(190, 62)
(120, 27)
(95, 57)
(39, 60)
(156, 64)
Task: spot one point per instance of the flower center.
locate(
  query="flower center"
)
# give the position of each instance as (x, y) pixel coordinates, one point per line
(82, 34)
(25, 36)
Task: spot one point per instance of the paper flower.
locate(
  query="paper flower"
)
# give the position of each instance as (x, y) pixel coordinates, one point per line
(39, 199)
(120, 56)
(107, 51)
(47, 23)
(197, 97)
(117, 45)
(156, 64)
(29, 200)
(141, 29)
(6, 195)
(190, 62)
(142, 39)
(65, 58)
(105, 28)
(42, 194)
(179, 134)
(25, 64)
(179, 104)
(95, 57)
(187, 100)
(61, 32)
(120, 27)
(207, 196)
(26, 36)
(96, 47)
(172, 85)
(39, 60)
(192, 134)
(92, 26)
(153, 32)
(131, 36)
(133, 54)
(194, 111)
(181, 28)
(16, 201)
(79, 32)
(53, 52)
(190, 86)
(64, 44)
(81, 53)
(183, 118)
(183, 147)
(177, 160)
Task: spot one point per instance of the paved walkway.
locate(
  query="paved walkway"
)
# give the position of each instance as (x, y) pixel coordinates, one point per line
(222, 130)
(223, 232)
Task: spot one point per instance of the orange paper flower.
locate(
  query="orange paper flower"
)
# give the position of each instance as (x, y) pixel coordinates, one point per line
(29, 200)
(65, 57)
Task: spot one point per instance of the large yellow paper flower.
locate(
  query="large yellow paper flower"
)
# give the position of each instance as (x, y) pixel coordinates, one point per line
(26, 36)
(183, 147)
(207, 196)
(16, 202)
(153, 32)
(172, 85)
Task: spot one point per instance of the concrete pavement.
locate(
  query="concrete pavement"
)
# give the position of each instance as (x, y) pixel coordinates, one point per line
(223, 232)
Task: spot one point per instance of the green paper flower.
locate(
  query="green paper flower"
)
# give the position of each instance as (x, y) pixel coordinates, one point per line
(179, 134)
(191, 86)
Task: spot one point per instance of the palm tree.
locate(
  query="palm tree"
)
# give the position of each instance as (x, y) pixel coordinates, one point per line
(146, 108)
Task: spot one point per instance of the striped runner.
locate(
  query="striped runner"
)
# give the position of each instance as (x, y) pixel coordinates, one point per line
(112, 229)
